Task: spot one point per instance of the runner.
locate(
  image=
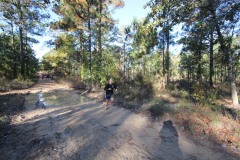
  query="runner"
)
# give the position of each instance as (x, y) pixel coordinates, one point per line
(109, 88)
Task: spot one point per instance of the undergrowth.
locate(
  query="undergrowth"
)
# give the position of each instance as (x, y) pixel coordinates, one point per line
(194, 108)
(6, 85)
(10, 104)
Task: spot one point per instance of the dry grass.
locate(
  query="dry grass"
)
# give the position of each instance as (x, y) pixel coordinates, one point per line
(207, 125)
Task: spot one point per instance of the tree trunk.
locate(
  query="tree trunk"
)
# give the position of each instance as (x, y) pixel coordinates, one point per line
(14, 54)
(144, 65)
(167, 56)
(80, 47)
(211, 69)
(124, 52)
(27, 59)
(222, 74)
(89, 39)
(234, 94)
(225, 74)
(199, 67)
(163, 53)
(216, 74)
(226, 52)
(21, 40)
(22, 53)
(79, 54)
(100, 34)
(232, 76)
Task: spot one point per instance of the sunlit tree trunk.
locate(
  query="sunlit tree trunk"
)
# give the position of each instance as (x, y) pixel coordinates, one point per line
(232, 80)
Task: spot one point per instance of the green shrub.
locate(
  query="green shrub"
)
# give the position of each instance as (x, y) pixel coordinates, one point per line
(3, 119)
(159, 109)
(216, 122)
(170, 87)
(183, 94)
(217, 108)
(6, 85)
(20, 84)
(203, 95)
(185, 106)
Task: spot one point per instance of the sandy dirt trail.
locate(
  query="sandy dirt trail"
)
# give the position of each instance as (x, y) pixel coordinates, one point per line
(74, 127)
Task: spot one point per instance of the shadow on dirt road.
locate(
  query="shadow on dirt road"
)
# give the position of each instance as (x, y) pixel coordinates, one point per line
(74, 127)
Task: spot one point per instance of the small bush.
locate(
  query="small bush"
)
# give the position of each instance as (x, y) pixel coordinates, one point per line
(3, 119)
(185, 106)
(183, 94)
(20, 84)
(203, 95)
(217, 108)
(159, 109)
(216, 123)
(6, 85)
(170, 87)
(184, 85)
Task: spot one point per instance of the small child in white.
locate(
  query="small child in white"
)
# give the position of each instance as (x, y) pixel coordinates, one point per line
(40, 101)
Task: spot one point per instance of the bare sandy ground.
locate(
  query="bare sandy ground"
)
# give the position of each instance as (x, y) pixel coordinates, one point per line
(74, 127)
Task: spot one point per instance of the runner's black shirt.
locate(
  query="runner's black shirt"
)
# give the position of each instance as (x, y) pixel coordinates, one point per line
(109, 88)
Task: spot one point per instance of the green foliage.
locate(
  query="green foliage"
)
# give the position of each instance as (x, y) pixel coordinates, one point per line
(83, 51)
(217, 108)
(3, 119)
(100, 75)
(183, 94)
(20, 83)
(64, 62)
(4, 84)
(203, 95)
(9, 59)
(23, 18)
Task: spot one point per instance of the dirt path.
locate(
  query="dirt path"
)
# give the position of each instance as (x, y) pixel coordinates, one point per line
(75, 127)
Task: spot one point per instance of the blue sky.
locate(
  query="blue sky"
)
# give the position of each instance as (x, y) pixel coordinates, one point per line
(125, 15)
(132, 8)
